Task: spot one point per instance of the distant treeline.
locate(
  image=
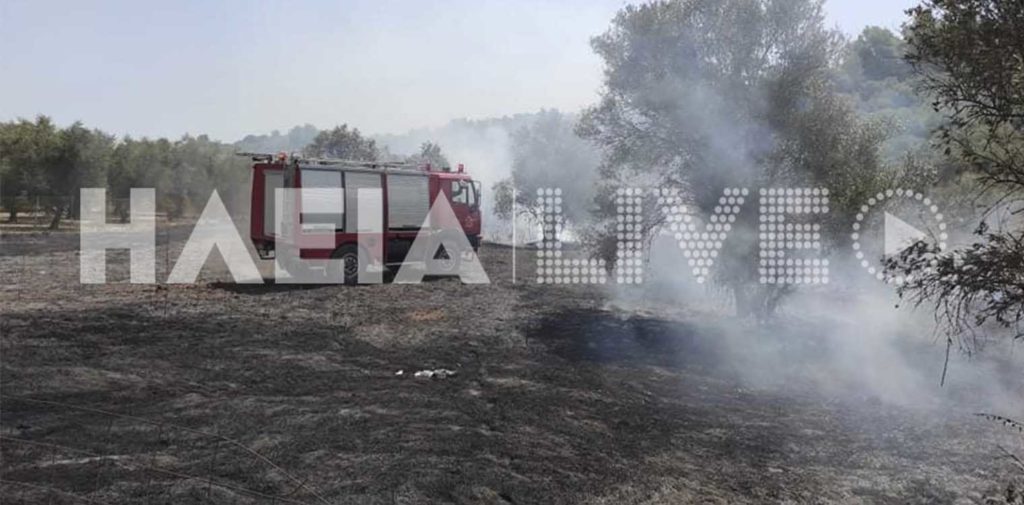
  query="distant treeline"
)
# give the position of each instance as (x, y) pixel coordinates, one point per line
(42, 168)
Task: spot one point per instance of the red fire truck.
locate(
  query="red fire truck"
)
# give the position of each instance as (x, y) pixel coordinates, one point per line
(408, 193)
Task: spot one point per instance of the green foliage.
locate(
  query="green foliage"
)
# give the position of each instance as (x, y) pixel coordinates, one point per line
(26, 149)
(503, 199)
(880, 54)
(430, 153)
(199, 164)
(967, 54)
(547, 153)
(344, 143)
(876, 77)
(702, 95)
(41, 162)
(82, 158)
(294, 141)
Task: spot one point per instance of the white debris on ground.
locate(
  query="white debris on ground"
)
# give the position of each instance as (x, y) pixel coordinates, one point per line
(440, 373)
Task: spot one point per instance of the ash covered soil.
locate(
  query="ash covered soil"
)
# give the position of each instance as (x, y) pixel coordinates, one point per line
(227, 393)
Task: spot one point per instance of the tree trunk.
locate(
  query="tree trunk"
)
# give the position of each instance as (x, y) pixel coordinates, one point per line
(121, 210)
(75, 210)
(11, 202)
(58, 213)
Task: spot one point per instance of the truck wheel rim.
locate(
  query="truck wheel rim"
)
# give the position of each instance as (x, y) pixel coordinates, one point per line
(351, 264)
(446, 261)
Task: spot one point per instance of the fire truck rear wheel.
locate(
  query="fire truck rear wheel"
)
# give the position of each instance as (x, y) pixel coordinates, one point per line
(349, 255)
(448, 261)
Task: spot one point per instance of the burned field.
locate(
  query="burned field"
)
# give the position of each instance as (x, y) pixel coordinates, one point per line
(225, 393)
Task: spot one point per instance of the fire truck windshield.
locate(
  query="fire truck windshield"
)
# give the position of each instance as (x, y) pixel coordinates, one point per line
(463, 193)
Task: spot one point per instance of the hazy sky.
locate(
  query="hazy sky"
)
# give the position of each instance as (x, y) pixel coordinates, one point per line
(231, 68)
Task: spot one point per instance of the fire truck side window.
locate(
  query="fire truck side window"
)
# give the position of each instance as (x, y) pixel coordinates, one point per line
(461, 193)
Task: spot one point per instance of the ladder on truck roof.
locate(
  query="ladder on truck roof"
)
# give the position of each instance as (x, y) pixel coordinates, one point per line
(340, 163)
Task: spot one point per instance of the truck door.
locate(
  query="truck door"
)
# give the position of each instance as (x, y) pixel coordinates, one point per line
(465, 204)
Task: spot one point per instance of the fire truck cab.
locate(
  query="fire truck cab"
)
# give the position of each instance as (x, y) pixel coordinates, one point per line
(408, 193)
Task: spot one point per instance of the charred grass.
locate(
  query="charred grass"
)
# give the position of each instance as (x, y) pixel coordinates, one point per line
(224, 393)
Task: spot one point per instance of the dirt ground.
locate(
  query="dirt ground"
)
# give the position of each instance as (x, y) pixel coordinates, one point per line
(226, 393)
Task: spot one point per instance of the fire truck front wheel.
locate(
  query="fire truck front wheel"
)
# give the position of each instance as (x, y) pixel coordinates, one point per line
(349, 256)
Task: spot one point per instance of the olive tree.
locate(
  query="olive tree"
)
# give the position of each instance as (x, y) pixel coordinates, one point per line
(700, 95)
(968, 54)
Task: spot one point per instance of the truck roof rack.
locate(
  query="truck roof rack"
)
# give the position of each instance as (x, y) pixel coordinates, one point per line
(258, 156)
(339, 162)
(356, 163)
